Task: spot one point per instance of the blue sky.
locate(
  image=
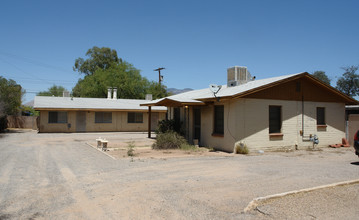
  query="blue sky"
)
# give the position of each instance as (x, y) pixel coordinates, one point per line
(196, 41)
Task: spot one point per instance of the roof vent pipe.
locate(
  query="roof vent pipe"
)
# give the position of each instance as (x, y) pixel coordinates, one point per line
(149, 97)
(109, 93)
(114, 93)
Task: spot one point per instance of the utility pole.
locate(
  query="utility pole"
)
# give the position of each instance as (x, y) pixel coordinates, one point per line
(160, 77)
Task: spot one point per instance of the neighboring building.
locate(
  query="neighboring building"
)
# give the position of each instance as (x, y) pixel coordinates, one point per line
(352, 117)
(268, 114)
(71, 114)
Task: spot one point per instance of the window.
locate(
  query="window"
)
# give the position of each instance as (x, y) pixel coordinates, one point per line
(103, 117)
(320, 116)
(275, 119)
(57, 117)
(218, 119)
(135, 117)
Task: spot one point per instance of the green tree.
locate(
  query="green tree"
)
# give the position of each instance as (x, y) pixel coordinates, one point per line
(10, 97)
(98, 58)
(348, 83)
(116, 73)
(157, 90)
(321, 76)
(52, 91)
(128, 80)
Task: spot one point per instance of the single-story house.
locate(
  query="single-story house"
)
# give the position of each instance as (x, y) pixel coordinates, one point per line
(72, 114)
(267, 114)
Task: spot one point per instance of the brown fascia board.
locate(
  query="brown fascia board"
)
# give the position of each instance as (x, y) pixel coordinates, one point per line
(172, 103)
(348, 100)
(239, 95)
(96, 110)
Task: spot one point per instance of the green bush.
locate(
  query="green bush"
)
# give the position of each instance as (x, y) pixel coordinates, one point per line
(165, 126)
(241, 148)
(188, 147)
(169, 140)
(3, 123)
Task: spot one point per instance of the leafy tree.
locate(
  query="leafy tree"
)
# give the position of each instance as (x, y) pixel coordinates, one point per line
(52, 91)
(99, 58)
(348, 83)
(157, 90)
(321, 76)
(10, 97)
(121, 74)
(29, 111)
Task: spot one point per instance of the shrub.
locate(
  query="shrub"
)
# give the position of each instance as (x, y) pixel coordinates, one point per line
(165, 126)
(168, 140)
(241, 148)
(3, 123)
(130, 149)
(188, 147)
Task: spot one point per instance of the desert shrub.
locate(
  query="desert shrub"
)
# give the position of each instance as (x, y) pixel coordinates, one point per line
(188, 147)
(241, 148)
(3, 123)
(130, 149)
(165, 126)
(169, 140)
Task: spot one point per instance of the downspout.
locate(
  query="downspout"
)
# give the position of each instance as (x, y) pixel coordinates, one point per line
(302, 116)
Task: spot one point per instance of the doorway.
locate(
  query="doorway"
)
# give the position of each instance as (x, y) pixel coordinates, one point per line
(197, 123)
(80, 121)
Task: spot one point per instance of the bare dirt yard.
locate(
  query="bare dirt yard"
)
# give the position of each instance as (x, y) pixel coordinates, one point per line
(60, 176)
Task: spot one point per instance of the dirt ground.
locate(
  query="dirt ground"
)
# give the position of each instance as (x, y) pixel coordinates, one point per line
(142, 149)
(59, 176)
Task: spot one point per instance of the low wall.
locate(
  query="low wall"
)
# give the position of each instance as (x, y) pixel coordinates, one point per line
(22, 122)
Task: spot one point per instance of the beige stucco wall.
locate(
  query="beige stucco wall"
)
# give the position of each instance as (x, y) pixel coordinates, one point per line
(353, 126)
(119, 123)
(247, 120)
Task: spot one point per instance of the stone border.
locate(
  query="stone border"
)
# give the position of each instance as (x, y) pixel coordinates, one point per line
(257, 201)
(100, 149)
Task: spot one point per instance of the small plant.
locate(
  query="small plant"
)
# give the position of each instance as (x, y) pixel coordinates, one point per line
(241, 148)
(211, 149)
(188, 147)
(165, 126)
(130, 149)
(169, 140)
(3, 123)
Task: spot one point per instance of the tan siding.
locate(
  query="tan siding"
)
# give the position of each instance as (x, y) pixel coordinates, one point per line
(119, 123)
(248, 122)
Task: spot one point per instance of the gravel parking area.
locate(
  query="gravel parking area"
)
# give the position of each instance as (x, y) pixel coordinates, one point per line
(59, 176)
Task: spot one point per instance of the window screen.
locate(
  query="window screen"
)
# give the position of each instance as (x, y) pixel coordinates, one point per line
(103, 117)
(218, 119)
(320, 116)
(135, 117)
(275, 119)
(57, 117)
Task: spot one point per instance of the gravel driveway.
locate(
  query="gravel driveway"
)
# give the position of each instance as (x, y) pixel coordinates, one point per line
(58, 176)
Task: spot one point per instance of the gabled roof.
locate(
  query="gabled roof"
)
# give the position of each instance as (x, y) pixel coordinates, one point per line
(69, 103)
(199, 97)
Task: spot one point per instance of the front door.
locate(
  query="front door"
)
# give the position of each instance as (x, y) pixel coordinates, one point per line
(154, 121)
(80, 121)
(197, 123)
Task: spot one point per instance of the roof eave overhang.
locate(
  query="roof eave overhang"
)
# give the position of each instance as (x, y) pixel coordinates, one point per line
(346, 99)
(173, 103)
(97, 109)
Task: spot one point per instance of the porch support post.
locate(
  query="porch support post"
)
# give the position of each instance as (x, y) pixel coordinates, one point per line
(149, 121)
